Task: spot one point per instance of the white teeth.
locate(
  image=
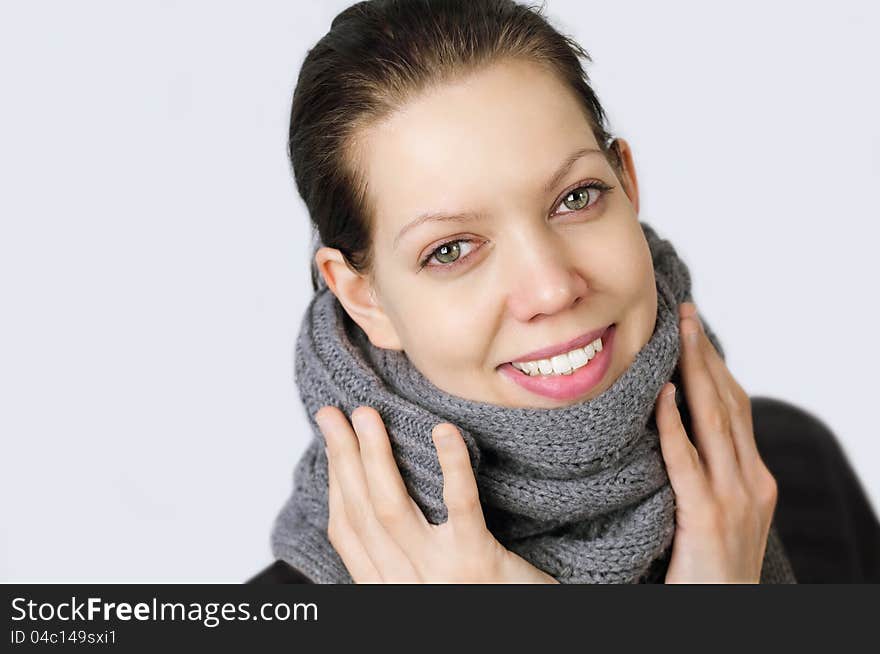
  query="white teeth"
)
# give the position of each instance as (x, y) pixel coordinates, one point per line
(561, 364)
(579, 357)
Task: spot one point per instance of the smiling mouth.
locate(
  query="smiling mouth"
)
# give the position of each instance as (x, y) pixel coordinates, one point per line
(562, 364)
(565, 376)
(587, 344)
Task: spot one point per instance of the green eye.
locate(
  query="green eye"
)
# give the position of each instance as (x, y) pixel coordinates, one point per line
(448, 252)
(582, 198)
(579, 198)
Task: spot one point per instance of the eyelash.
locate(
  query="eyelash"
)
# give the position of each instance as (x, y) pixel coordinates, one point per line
(602, 187)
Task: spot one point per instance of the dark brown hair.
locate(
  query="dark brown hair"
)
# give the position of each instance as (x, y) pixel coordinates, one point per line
(378, 54)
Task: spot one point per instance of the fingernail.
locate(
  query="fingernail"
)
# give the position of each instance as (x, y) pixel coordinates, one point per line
(669, 394)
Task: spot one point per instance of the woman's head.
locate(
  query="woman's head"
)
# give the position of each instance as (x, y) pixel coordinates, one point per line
(406, 111)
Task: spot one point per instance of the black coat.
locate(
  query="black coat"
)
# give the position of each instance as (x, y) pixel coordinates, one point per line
(827, 525)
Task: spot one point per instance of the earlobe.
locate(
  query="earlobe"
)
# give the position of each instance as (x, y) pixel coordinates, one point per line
(357, 296)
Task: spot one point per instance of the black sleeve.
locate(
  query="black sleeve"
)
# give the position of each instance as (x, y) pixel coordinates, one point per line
(826, 522)
(279, 573)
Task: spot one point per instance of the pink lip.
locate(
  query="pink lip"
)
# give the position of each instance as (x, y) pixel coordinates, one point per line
(560, 348)
(567, 387)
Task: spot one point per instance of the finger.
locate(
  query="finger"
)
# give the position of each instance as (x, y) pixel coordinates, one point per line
(710, 417)
(392, 504)
(342, 444)
(687, 310)
(460, 492)
(343, 538)
(738, 405)
(682, 459)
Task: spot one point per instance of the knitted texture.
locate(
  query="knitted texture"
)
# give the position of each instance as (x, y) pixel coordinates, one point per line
(580, 492)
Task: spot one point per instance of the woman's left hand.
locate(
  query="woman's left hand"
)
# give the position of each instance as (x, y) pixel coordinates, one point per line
(725, 496)
(379, 531)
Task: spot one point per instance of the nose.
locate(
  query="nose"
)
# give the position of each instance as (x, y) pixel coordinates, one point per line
(546, 279)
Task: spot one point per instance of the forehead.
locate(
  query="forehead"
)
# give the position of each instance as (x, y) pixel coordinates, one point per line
(453, 147)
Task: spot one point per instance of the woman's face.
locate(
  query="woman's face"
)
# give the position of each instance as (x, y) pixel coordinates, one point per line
(534, 260)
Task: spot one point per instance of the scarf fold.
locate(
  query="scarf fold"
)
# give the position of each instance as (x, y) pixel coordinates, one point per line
(580, 492)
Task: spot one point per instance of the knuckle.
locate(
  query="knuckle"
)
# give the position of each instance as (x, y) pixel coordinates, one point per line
(768, 491)
(718, 420)
(738, 398)
(462, 503)
(389, 512)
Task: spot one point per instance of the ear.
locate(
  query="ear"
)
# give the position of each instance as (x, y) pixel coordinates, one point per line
(357, 296)
(629, 180)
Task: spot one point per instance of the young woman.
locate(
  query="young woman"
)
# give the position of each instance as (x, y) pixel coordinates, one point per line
(502, 365)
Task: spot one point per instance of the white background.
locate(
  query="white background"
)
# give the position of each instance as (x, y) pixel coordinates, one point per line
(154, 252)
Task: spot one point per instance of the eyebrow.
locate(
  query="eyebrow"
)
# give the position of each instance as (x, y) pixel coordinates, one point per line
(469, 216)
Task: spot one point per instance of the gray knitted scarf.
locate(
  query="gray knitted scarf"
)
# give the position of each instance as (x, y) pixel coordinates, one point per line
(580, 492)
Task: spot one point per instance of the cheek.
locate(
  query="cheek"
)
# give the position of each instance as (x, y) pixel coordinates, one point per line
(643, 271)
(622, 266)
(445, 334)
(641, 293)
(641, 289)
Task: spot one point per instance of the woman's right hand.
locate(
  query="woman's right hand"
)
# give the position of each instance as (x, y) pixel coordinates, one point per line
(379, 531)
(724, 494)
